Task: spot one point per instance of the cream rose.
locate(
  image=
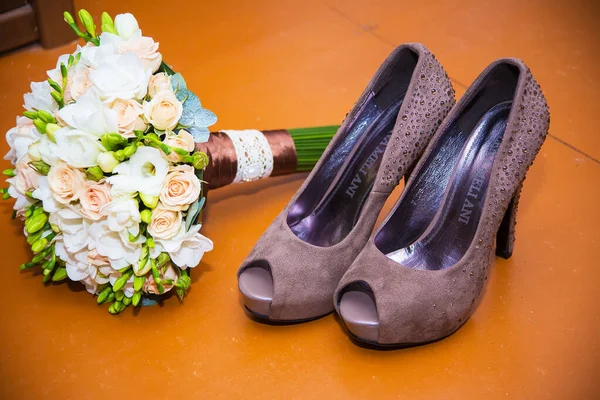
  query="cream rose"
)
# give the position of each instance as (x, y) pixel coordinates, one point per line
(158, 83)
(182, 140)
(93, 197)
(163, 111)
(165, 223)
(181, 188)
(25, 180)
(128, 116)
(65, 183)
(79, 82)
(146, 49)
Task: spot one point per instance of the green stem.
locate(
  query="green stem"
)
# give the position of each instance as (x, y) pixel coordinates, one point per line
(310, 144)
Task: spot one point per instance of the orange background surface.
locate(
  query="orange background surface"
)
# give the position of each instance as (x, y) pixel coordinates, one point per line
(283, 64)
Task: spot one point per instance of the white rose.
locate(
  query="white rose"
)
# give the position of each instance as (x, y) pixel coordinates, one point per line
(122, 76)
(146, 49)
(122, 214)
(145, 173)
(89, 114)
(44, 193)
(163, 111)
(78, 148)
(20, 138)
(39, 98)
(115, 245)
(186, 248)
(126, 25)
(74, 229)
(165, 223)
(159, 83)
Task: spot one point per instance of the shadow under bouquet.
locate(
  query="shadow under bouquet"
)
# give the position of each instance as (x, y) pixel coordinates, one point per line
(111, 162)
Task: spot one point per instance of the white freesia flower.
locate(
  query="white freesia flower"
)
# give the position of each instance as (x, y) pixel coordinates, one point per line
(92, 55)
(20, 138)
(76, 262)
(39, 98)
(74, 229)
(44, 193)
(186, 248)
(122, 214)
(121, 76)
(114, 245)
(127, 26)
(145, 173)
(89, 114)
(48, 150)
(77, 148)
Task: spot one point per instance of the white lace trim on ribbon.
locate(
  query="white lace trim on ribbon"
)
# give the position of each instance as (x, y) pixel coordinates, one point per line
(255, 159)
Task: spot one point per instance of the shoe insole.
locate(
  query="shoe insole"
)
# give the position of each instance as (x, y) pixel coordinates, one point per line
(452, 229)
(335, 214)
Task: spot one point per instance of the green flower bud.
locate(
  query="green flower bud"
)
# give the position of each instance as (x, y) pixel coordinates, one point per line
(27, 265)
(126, 301)
(135, 299)
(94, 173)
(112, 141)
(46, 277)
(50, 130)
(129, 150)
(59, 275)
(103, 295)
(162, 259)
(200, 160)
(107, 161)
(54, 85)
(150, 242)
(64, 72)
(40, 125)
(36, 222)
(68, 18)
(121, 281)
(40, 167)
(149, 201)
(87, 21)
(146, 216)
(5, 196)
(30, 114)
(9, 172)
(41, 255)
(39, 245)
(138, 282)
(108, 24)
(119, 295)
(111, 297)
(119, 155)
(46, 117)
(57, 97)
(55, 228)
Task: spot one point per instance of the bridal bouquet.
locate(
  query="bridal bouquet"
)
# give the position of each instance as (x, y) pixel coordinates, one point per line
(106, 173)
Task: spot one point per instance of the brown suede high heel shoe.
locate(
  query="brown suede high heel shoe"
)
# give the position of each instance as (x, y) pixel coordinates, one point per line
(293, 270)
(412, 286)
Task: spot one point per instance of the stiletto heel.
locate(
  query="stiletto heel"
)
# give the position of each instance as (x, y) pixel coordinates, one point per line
(505, 240)
(293, 270)
(421, 274)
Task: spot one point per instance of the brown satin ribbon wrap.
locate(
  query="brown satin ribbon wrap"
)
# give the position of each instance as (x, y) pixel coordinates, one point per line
(222, 165)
